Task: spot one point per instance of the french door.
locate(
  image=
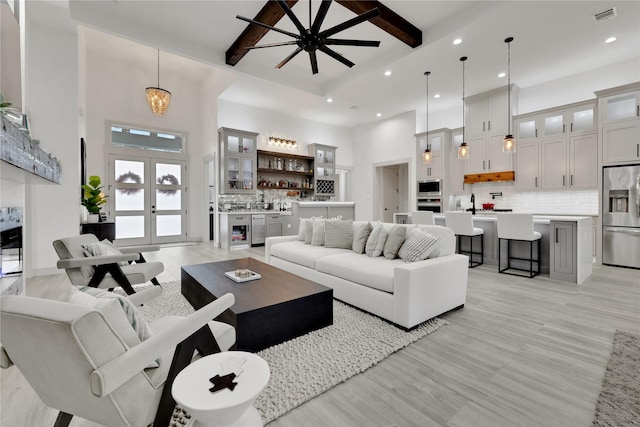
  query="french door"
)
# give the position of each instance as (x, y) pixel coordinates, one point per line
(147, 199)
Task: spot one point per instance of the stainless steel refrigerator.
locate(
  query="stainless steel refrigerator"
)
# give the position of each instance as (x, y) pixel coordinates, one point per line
(621, 215)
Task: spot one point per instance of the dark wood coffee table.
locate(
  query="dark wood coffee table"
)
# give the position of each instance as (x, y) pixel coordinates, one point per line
(275, 308)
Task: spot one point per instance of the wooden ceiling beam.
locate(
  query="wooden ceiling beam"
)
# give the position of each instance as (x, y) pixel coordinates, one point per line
(388, 21)
(270, 14)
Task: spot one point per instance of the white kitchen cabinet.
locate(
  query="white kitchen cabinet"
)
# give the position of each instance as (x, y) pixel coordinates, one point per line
(527, 166)
(619, 111)
(325, 168)
(439, 142)
(569, 163)
(237, 160)
(486, 155)
(526, 130)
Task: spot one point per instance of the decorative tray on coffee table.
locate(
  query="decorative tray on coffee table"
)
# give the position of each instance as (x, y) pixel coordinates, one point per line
(242, 275)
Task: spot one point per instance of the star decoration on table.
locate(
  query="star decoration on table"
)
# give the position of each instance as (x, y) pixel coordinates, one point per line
(222, 382)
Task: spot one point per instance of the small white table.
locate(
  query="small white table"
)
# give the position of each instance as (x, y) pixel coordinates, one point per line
(224, 407)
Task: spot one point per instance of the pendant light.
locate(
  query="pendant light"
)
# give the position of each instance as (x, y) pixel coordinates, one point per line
(426, 156)
(509, 143)
(157, 97)
(463, 150)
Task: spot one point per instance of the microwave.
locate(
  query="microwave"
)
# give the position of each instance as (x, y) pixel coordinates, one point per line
(429, 187)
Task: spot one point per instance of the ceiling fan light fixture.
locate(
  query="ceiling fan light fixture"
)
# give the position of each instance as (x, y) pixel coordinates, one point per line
(157, 97)
(509, 142)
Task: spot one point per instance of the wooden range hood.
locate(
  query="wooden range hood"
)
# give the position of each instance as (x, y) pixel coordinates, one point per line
(490, 177)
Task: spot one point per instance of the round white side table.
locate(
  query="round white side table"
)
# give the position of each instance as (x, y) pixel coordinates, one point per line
(224, 407)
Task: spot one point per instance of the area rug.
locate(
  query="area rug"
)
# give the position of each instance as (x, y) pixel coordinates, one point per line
(309, 365)
(619, 401)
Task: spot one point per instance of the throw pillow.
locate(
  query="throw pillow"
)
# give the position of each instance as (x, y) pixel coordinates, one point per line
(375, 242)
(338, 234)
(302, 230)
(317, 236)
(360, 239)
(308, 227)
(102, 248)
(395, 239)
(418, 246)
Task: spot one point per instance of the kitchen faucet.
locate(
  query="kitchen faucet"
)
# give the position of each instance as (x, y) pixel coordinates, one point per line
(473, 204)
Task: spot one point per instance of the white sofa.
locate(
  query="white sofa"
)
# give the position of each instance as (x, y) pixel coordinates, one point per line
(405, 293)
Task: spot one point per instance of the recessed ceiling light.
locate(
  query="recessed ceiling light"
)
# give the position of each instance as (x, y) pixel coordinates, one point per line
(387, 73)
(610, 40)
(437, 95)
(329, 100)
(457, 41)
(379, 115)
(502, 74)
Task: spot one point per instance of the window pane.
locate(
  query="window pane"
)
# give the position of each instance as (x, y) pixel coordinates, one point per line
(129, 199)
(168, 174)
(168, 200)
(129, 227)
(129, 172)
(168, 225)
(233, 144)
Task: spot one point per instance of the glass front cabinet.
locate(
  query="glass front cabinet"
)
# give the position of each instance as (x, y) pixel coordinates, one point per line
(325, 169)
(237, 160)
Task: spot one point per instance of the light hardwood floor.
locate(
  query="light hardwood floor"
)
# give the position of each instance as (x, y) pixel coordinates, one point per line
(522, 352)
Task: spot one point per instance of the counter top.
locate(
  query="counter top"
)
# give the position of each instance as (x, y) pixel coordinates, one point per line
(536, 218)
(323, 204)
(249, 212)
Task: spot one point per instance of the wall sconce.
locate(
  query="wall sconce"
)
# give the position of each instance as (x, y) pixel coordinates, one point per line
(281, 142)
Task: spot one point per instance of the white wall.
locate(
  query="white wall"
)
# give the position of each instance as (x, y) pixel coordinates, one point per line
(272, 123)
(386, 142)
(51, 102)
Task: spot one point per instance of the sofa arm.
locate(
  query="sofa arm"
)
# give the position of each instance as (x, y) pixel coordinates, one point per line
(270, 241)
(428, 288)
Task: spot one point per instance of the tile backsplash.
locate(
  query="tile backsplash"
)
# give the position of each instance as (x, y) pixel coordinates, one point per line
(582, 202)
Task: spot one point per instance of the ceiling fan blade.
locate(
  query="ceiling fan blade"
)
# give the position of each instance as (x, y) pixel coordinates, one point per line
(289, 58)
(322, 12)
(314, 62)
(292, 16)
(347, 42)
(350, 23)
(335, 55)
(260, 24)
(272, 45)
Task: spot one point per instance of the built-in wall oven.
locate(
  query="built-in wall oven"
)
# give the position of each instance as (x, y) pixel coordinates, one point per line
(621, 215)
(429, 197)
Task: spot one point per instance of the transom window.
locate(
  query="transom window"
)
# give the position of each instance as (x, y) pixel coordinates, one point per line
(123, 136)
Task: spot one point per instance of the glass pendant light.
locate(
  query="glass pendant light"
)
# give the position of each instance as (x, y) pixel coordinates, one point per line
(509, 143)
(157, 97)
(426, 156)
(463, 150)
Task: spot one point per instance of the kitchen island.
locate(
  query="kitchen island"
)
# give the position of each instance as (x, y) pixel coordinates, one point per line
(566, 248)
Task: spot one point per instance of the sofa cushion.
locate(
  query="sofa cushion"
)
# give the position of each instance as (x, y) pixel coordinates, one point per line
(375, 241)
(338, 233)
(360, 238)
(375, 272)
(317, 237)
(419, 246)
(300, 253)
(395, 239)
(447, 238)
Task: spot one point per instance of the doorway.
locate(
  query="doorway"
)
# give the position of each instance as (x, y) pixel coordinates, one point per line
(392, 182)
(147, 199)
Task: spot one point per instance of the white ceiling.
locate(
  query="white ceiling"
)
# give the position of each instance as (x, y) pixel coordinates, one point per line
(552, 40)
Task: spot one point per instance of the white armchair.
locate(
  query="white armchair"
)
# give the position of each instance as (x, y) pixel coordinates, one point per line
(77, 363)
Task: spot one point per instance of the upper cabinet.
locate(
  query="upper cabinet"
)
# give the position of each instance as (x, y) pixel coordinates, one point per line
(284, 171)
(325, 168)
(439, 142)
(237, 160)
(557, 148)
(456, 171)
(620, 123)
(486, 124)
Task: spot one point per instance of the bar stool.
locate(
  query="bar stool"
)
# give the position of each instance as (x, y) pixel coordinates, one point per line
(518, 227)
(422, 217)
(462, 225)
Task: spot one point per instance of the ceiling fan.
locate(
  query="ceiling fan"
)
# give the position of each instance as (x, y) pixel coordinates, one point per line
(312, 39)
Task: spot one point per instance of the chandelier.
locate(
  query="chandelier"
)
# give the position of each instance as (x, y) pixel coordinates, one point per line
(157, 97)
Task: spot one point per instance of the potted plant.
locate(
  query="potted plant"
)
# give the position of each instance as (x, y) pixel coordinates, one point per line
(94, 198)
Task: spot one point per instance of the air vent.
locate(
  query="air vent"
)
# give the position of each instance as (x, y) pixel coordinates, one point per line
(354, 107)
(609, 13)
